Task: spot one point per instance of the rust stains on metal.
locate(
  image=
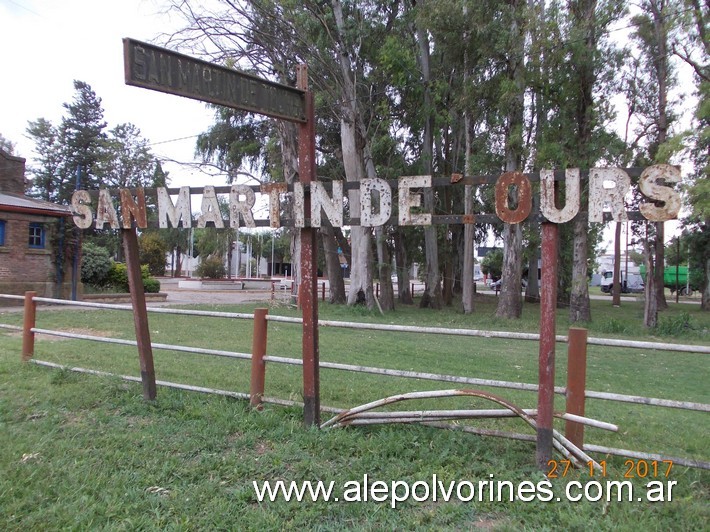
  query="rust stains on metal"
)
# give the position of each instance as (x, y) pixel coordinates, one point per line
(455, 178)
(547, 196)
(105, 211)
(133, 209)
(355, 416)
(524, 195)
(608, 186)
(546, 357)
(368, 216)
(651, 185)
(469, 219)
(274, 190)
(210, 209)
(408, 200)
(238, 208)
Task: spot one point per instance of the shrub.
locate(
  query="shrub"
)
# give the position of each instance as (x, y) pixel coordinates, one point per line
(678, 325)
(212, 268)
(151, 285)
(118, 278)
(152, 250)
(96, 264)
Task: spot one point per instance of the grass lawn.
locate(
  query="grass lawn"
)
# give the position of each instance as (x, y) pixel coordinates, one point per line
(84, 452)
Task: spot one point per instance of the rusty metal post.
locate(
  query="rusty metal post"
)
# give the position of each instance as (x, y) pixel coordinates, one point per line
(258, 352)
(30, 319)
(576, 383)
(309, 262)
(140, 313)
(546, 362)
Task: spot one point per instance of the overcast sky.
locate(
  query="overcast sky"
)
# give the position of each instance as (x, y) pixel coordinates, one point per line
(47, 44)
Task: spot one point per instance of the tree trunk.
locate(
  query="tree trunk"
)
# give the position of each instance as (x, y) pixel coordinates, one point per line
(404, 293)
(288, 137)
(659, 262)
(178, 263)
(384, 269)
(432, 296)
(332, 266)
(532, 290)
(352, 142)
(650, 310)
(584, 19)
(510, 304)
(616, 287)
(579, 308)
(660, 13)
(468, 260)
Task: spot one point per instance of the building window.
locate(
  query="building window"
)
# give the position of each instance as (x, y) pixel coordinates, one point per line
(2, 233)
(36, 240)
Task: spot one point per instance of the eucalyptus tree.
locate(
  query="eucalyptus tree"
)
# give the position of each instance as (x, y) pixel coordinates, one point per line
(693, 47)
(654, 33)
(271, 38)
(577, 81)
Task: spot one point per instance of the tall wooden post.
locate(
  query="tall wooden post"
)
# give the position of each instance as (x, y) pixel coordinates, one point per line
(140, 313)
(29, 321)
(258, 352)
(309, 262)
(546, 363)
(576, 383)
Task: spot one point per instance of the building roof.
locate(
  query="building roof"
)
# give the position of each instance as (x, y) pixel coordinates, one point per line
(20, 203)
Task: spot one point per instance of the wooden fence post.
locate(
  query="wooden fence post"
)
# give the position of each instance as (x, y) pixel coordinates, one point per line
(30, 317)
(576, 383)
(258, 352)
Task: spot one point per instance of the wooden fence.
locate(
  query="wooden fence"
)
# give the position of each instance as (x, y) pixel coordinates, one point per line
(575, 391)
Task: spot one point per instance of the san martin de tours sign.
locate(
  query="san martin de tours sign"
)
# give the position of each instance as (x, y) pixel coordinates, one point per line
(164, 70)
(607, 189)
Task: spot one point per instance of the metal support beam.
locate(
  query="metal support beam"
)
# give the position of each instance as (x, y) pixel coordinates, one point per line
(140, 313)
(576, 383)
(546, 363)
(309, 262)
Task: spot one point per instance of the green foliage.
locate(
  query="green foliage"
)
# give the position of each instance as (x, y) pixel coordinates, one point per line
(212, 268)
(118, 278)
(96, 264)
(676, 325)
(612, 326)
(492, 263)
(151, 285)
(120, 158)
(152, 249)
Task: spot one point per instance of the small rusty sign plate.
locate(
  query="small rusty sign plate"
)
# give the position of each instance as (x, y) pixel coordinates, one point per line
(163, 70)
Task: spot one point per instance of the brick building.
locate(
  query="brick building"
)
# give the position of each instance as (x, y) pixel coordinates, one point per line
(29, 237)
